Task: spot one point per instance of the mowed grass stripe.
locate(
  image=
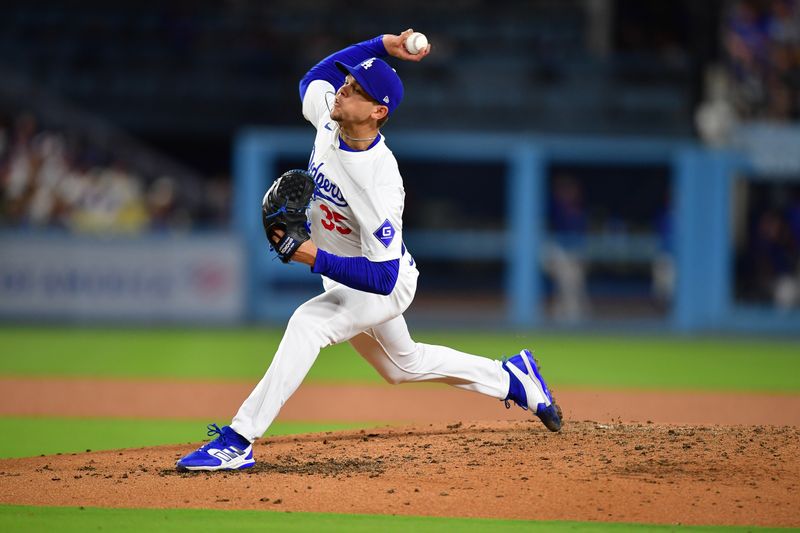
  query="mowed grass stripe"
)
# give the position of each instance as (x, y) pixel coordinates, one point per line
(736, 364)
(37, 436)
(24, 519)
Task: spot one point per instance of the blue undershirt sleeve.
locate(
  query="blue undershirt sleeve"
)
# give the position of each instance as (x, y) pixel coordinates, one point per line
(326, 69)
(358, 272)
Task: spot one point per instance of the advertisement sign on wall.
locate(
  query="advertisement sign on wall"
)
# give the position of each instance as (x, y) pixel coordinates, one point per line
(151, 279)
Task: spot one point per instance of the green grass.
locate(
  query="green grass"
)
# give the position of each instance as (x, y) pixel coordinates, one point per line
(66, 519)
(737, 364)
(36, 436)
(740, 364)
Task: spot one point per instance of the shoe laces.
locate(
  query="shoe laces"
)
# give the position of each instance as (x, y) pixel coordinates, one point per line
(215, 431)
(226, 438)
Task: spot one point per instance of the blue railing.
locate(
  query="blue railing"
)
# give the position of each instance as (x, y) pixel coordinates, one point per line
(702, 181)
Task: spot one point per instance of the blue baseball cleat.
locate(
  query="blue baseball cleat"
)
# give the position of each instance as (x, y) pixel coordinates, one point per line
(229, 451)
(527, 385)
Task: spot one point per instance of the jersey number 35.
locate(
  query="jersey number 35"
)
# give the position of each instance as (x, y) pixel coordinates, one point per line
(332, 219)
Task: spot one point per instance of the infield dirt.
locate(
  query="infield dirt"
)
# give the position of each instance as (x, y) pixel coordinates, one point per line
(590, 471)
(606, 471)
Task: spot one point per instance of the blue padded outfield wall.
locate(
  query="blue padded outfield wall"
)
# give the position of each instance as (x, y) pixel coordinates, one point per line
(702, 181)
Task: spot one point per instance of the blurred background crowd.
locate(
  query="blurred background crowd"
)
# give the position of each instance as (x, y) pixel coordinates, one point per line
(58, 179)
(762, 48)
(120, 118)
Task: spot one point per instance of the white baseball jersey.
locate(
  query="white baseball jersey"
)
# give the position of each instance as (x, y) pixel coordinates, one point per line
(357, 209)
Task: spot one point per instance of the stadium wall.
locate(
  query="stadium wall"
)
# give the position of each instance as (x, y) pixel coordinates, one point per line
(702, 181)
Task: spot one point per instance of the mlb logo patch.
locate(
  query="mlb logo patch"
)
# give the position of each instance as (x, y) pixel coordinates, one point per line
(385, 233)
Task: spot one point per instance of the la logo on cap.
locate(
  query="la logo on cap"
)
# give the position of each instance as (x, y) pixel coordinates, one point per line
(368, 63)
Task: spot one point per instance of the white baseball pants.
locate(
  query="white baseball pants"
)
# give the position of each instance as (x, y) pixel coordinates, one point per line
(375, 327)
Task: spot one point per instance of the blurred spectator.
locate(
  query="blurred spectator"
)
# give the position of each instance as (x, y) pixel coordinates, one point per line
(214, 211)
(52, 179)
(774, 260)
(663, 266)
(562, 258)
(762, 43)
(768, 245)
(162, 204)
(793, 219)
(108, 200)
(787, 291)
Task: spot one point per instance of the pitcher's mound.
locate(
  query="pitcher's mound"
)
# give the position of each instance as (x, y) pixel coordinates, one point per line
(722, 475)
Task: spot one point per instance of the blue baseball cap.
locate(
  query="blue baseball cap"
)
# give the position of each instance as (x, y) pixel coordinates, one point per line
(378, 79)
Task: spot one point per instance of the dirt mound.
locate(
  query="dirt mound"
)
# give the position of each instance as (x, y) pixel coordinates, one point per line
(723, 475)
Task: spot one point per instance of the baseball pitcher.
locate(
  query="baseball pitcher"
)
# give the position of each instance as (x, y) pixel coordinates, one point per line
(351, 196)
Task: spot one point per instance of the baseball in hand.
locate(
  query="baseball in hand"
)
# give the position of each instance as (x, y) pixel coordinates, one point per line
(416, 43)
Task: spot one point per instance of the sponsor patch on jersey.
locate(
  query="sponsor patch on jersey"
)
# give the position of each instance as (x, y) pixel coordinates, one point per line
(385, 233)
